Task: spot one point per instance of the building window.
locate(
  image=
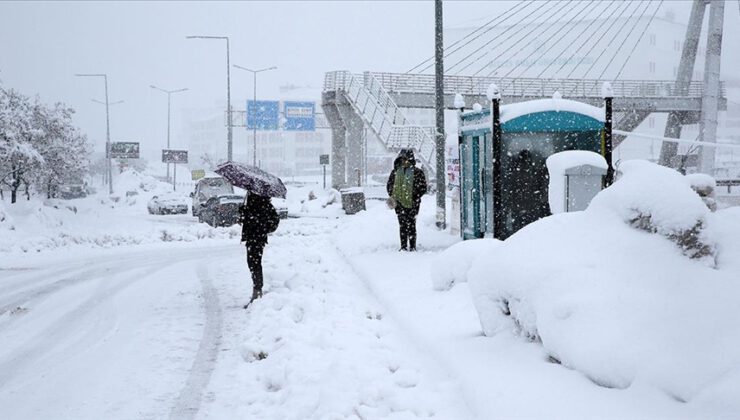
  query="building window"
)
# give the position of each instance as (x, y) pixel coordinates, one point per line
(652, 67)
(652, 39)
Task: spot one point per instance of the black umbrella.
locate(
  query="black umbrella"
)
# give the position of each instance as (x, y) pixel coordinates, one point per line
(252, 179)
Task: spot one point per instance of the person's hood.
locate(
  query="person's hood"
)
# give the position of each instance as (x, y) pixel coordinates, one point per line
(407, 154)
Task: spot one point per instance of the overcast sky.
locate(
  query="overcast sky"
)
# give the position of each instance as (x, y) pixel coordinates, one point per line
(43, 44)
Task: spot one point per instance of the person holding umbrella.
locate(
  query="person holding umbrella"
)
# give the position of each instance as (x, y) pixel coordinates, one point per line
(406, 184)
(258, 216)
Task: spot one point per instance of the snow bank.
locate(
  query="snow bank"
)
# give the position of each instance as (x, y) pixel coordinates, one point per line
(33, 226)
(618, 304)
(451, 265)
(100, 221)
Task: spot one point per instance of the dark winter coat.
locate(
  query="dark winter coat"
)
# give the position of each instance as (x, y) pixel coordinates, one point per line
(258, 218)
(420, 181)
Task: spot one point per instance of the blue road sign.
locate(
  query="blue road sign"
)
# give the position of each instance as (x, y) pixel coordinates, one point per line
(263, 115)
(299, 116)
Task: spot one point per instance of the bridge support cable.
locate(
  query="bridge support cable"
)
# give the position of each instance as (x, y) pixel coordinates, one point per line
(607, 30)
(563, 51)
(634, 47)
(548, 66)
(627, 32)
(588, 28)
(586, 8)
(598, 41)
(477, 50)
(521, 27)
(487, 27)
(579, 36)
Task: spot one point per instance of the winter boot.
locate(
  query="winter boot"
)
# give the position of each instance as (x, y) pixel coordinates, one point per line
(256, 294)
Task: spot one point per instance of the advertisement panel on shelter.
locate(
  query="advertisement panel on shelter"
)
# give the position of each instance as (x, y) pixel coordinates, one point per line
(124, 150)
(174, 156)
(299, 116)
(263, 115)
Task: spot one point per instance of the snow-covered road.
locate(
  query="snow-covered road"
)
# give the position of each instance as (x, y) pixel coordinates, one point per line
(118, 335)
(159, 331)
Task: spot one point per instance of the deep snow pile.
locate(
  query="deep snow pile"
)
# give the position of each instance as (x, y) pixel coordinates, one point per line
(610, 293)
(454, 262)
(99, 220)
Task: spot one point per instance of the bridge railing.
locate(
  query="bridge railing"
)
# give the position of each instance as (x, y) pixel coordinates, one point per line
(424, 83)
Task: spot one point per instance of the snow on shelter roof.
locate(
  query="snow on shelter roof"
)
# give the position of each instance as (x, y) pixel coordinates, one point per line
(481, 120)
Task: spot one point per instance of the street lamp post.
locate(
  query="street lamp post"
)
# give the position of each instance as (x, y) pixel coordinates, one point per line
(169, 94)
(254, 101)
(107, 128)
(228, 92)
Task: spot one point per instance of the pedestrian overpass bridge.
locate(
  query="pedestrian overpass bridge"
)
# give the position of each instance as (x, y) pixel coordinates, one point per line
(354, 102)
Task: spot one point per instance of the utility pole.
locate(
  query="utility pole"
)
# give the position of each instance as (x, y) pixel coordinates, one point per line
(169, 94)
(440, 114)
(107, 130)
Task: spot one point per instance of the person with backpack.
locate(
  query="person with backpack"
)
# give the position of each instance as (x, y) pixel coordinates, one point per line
(259, 218)
(406, 185)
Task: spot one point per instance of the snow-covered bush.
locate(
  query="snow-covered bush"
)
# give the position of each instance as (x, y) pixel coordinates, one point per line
(658, 200)
(618, 304)
(704, 185)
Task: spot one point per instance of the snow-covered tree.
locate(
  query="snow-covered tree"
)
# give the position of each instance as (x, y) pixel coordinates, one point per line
(64, 149)
(39, 145)
(17, 136)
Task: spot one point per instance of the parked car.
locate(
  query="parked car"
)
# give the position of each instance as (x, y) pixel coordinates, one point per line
(168, 203)
(69, 191)
(222, 210)
(281, 206)
(210, 186)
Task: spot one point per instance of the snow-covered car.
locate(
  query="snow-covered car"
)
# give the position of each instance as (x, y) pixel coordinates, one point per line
(168, 203)
(69, 191)
(210, 186)
(222, 210)
(281, 205)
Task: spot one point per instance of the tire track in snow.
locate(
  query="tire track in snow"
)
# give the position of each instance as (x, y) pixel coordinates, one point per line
(116, 264)
(188, 402)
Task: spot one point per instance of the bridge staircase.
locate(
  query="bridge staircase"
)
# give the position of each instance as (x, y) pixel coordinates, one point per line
(380, 114)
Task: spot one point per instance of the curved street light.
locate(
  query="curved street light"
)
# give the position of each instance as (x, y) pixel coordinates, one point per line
(169, 93)
(254, 136)
(107, 127)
